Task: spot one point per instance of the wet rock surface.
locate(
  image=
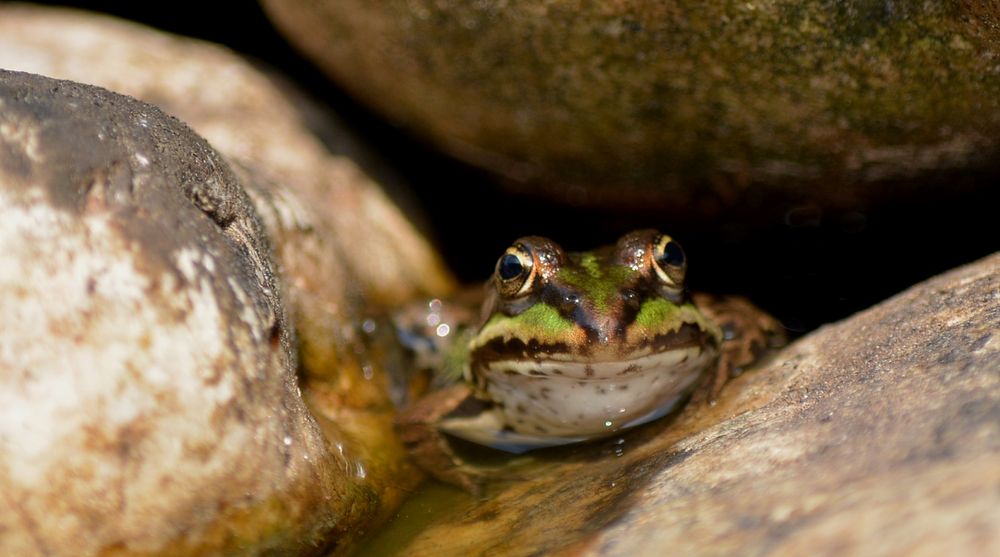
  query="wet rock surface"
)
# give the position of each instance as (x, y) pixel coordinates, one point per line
(148, 387)
(875, 435)
(685, 104)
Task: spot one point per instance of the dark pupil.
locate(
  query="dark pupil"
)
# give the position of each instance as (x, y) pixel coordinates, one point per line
(510, 266)
(672, 255)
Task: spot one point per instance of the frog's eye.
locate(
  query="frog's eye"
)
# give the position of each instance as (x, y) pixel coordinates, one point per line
(669, 261)
(515, 271)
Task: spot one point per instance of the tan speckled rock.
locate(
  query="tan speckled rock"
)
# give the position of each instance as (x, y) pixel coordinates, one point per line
(879, 435)
(671, 101)
(341, 242)
(148, 396)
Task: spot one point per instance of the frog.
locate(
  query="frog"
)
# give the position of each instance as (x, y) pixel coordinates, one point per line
(570, 347)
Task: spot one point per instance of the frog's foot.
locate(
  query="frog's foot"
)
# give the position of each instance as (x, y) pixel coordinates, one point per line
(747, 333)
(418, 428)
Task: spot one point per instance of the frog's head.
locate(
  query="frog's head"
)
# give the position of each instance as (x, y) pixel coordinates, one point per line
(578, 310)
(579, 345)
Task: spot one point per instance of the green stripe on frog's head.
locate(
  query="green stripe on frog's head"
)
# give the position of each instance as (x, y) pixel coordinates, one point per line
(658, 318)
(595, 278)
(539, 322)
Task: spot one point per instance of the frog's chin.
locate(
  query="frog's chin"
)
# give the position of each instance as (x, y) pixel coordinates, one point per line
(549, 403)
(487, 429)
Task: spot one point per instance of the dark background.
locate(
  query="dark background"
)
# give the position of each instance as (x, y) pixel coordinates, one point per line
(808, 266)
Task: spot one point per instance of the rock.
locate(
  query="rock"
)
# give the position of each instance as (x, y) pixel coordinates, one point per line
(148, 397)
(344, 247)
(684, 104)
(253, 118)
(876, 435)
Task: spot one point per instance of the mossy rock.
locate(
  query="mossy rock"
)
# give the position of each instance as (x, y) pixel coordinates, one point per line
(665, 102)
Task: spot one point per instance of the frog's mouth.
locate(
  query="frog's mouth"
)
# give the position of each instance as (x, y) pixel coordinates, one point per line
(595, 360)
(596, 371)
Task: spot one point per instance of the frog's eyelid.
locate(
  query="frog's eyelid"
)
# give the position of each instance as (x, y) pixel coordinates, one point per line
(532, 270)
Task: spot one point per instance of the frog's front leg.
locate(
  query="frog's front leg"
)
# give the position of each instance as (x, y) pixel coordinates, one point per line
(418, 428)
(747, 331)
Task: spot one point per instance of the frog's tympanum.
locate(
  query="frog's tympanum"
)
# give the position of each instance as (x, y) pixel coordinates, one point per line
(570, 347)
